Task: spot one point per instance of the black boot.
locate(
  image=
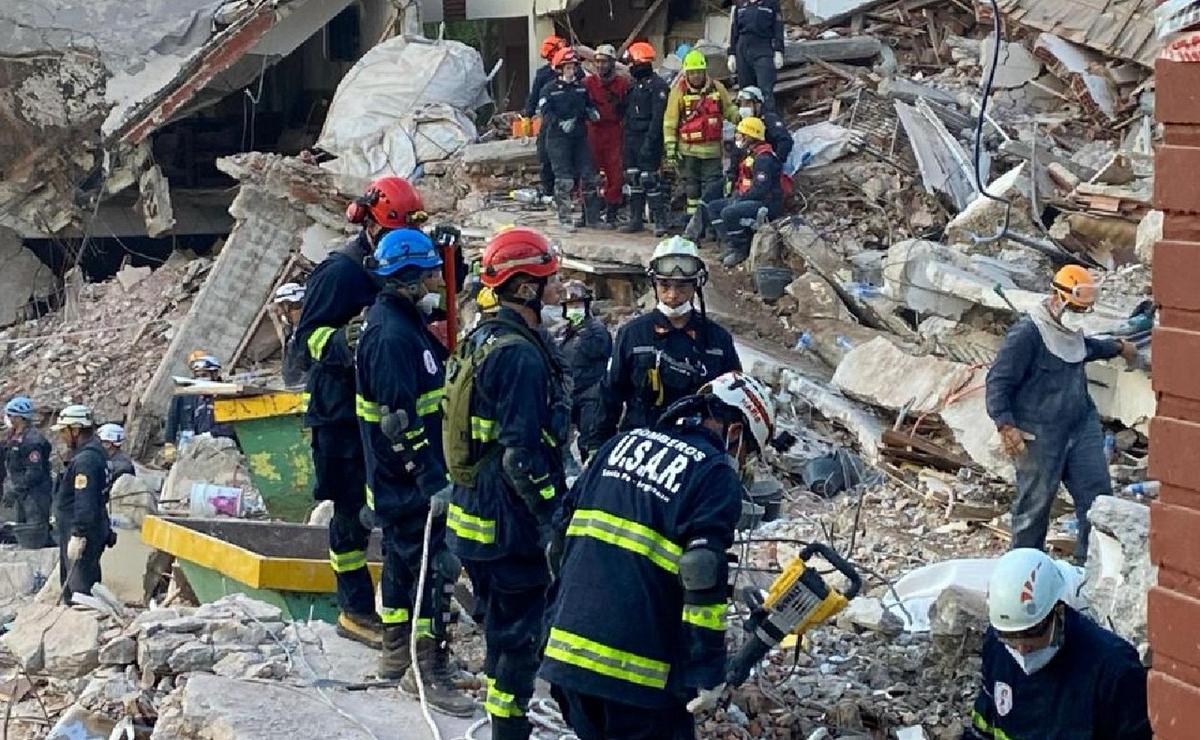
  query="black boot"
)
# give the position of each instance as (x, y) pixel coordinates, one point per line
(592, 207)
(637, 214)
(695, 226)
(734, 256)
(364, 628)
(511, 728)
(563, 204)
(441, 691)
(612, 214)
(395, 659)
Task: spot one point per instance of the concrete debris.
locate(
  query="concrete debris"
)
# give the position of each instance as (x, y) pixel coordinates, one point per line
(321, 514)
(831, 11)
(1123, 28)
(959, 615)
(866, 428)
(155, 197)
(56, 639)
(1149, 232)
(1119, 570)
(931, 278)
(77, 723)
(945, 166)
(134, 497)
(121, 650)
(983, 217)
(26, 280)
(206, 460)
(1016, 66)
(817, 299)
(128, 277)
(832, 50)
(867, 613)
(1083, 71)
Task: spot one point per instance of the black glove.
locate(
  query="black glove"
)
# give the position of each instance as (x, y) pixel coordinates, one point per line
(555, 544)
(445, 235)
(366, 517)
(354, 332)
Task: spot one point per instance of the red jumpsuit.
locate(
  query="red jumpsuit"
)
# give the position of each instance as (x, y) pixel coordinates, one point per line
(604, 135)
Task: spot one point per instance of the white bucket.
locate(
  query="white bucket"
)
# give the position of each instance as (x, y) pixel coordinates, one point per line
(211, 500)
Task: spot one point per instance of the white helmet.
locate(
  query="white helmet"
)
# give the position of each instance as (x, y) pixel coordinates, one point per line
(749, 396)
(76, 415)
(1023, 590)
(677, 257)
(606, 50)
(289, 293)
(751, 93)
(113, 433)
(205, 363)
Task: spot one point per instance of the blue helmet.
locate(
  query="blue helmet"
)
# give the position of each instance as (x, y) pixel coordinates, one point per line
(19, 406)
(404, 248)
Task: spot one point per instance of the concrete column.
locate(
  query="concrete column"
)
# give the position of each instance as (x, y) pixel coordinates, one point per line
(540, 26)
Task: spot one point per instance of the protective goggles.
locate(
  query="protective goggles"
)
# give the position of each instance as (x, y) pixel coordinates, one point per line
(1080, 295)
(677, 266)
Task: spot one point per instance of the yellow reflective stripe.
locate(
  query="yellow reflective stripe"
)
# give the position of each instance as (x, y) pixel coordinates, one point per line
(567, 647)
(305, 398)
(628, 535)
(370, 498)
(982, 725)
(344, 562)
(547, 493)
(483, 430)
(424, 627)
(368, 411)
(501, 703)
(470, 527)
(393, 616)
(709, 617)
(317, 341)
(428, 403)
(548, 439)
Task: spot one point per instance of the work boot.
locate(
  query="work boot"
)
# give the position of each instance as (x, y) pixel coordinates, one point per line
(364, 628)
(734, 256)
(637, 215)
(511, 728)
(592, 206)
(612, 214)
(694, 230)
(396, 658)
(439, 679)
(660, 215)
(563, 204)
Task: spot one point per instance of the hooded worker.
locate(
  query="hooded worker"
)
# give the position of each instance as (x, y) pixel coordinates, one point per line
(1037, 395)
(1048, 670)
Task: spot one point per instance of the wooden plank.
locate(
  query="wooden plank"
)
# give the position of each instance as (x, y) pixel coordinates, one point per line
(637, 28)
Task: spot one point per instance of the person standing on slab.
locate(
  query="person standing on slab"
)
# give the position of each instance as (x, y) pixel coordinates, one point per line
(756, 46)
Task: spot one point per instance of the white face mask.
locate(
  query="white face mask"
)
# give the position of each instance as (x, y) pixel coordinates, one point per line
(576, 315)
(429, 302)
(746, 112)
(1033, 662)
(683, 309)
(7, 422)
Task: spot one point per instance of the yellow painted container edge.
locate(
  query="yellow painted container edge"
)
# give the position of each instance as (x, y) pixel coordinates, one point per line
(257, 407)
(240, 564)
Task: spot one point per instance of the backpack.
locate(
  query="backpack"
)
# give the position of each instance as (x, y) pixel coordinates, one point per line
(462, 462)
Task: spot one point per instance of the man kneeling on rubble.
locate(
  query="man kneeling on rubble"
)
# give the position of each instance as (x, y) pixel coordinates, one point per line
(1048, 670)
(1037, 394)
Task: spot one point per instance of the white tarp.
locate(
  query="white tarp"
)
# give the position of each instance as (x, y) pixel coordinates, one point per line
(818, 145)
(407, 101)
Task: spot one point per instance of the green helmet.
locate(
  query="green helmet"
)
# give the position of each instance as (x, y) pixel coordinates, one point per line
(695, 60)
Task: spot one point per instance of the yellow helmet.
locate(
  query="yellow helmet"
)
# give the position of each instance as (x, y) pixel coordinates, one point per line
(196, 355)
(753, 127)
(695, 60)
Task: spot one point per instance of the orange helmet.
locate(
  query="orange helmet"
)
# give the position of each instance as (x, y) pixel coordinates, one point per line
(1075, 286)
(392, 202)
(562, 56)
(640, 52)
(517, 251)
(551, 44)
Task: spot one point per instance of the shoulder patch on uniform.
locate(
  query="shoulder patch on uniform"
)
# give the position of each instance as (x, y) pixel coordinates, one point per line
(430, 363)
(35, 456)
(81, 482)
(761, 176)
(1004, 698)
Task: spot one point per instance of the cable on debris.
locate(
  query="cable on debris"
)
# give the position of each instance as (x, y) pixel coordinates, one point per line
(997, 39)
(413, 634)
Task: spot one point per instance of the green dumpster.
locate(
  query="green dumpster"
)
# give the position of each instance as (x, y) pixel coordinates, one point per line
(270, 430)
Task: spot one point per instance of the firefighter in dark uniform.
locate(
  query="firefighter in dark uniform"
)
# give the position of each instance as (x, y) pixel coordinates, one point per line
(26, 473)
(188, 414)
(693, 126)
(668, 353)
(80, 514)
(111, 437)
(607, 89)
(750, 105)
(400, 372)
(757, 193)
(586, 346)
(566, 108)
(637, 630)
(544, 74)
(756, 45)
(335, 295)
(506, 423)
(643, 145)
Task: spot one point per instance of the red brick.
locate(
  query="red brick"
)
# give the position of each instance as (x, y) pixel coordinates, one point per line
(1175, 353)
(1181, 583)
(1174, 708)
(1173, 618)
(1179, 671)
(1179, 319)
(1178, 86)
(1181, 134)
(1184, 227)
(1174, 449)
(1176, 272)
(1176, 186)
(1177, 408)
(1175, 538)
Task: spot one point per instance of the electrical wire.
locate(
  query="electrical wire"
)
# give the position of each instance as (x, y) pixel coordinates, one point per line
(997, 39)
(413, 634)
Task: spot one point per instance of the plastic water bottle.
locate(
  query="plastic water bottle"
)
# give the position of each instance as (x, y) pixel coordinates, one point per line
(804, 343)
(1145, 489)
(863, 290)
(526, 196)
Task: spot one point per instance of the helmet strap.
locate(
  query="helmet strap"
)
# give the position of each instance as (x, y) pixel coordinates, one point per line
(527, 294)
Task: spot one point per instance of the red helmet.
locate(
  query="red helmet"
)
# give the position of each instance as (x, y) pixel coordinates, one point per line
(392, 202)
(566, 54)
(517, 251)
(640, 51)
(551, 44)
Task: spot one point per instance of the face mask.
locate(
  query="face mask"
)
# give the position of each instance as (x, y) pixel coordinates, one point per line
(739, 142)
(682, 309)
(429, 302)
(746, 112)
(7, 422)
(1033, 662)
(576, 315)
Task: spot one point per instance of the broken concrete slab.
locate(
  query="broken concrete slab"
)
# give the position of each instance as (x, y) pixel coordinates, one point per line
(1084, 72)
(1016, 65)
(128, 276)
(217, 708)
(1149, 232)
(945, 165)
(53, 638)
(206, 459)
(832, 50)
(866, 428)
(1120, 28)
(134, 497)
(24, 278)
(867, 613)
(505, 154)
(817, 300)
(22, 572)
(833, 11)
(1119, 571)
(982, 217)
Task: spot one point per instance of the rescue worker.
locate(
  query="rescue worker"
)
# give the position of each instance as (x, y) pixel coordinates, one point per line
(400, 369)
(566, 108)
(336, 293)
(111, 437)
(607, 90)
(637, 629)
(586, 347)
(1037, 395)
(1048, 670)
(506, 422)
(643, 145)
(546, 73)
(697, 109)
(287, 305)
(755, 51)
(751, 105)
(80, 514)
(181, 415)
(756, 193)
(666, 354)
(26, 473)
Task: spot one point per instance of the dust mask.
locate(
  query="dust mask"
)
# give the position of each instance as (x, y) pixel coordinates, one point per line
(682, 309)
(7, 422)
(1033, 662)
(576, 315)
(429, 302)
(745, 112)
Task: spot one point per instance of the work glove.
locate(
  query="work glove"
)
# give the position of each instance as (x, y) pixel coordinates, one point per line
(778, 61)
(1013, 441)
(439, 503)
(445, 235)
(671, 156)
(567, 126)
(169, 453)
(731, 62)
(393, 424)
(1129, 350)
(75, 547)
(706, 699)
(354, 332)
(593, 114)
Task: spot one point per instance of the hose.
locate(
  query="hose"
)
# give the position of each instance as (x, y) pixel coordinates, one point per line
(412, 640)
(978, 149)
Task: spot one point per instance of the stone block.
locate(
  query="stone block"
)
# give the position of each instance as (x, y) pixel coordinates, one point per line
(192, 656)
(120, 650)
(58, 640)
(1119, 571)
(155, 650)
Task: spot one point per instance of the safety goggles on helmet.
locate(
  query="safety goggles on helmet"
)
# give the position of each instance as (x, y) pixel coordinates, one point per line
(1083, 294)
(678, 266)
(208, 363)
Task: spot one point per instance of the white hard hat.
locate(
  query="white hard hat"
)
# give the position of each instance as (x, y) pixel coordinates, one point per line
(289, 293)
(606, 50)
(205, 362)
(76, 415)
(1023, 590)
(113, 433)
(677, 257)
(751, 398)
(751, 92)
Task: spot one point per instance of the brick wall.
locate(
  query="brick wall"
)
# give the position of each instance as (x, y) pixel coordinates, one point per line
(1174, 604)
